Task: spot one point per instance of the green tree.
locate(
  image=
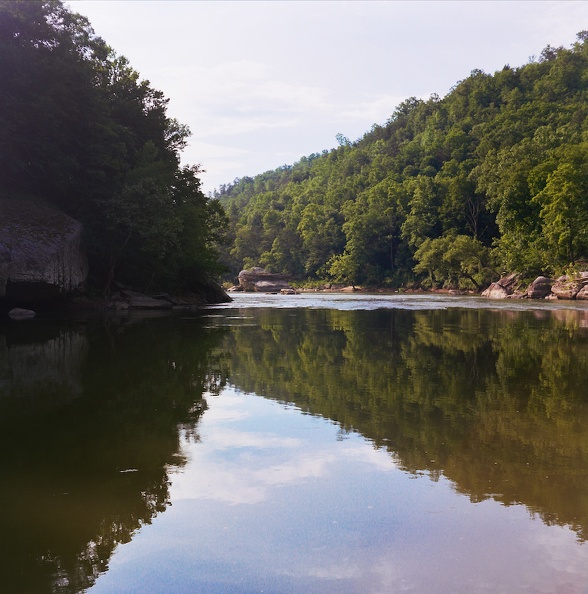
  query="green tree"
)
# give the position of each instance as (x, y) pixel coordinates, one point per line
(473, 164)
(321, 234)
(78, 127)
(422, 214)
(372, 229)
(455, 260)
(564, 206)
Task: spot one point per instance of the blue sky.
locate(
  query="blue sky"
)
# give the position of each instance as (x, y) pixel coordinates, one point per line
(263, 83)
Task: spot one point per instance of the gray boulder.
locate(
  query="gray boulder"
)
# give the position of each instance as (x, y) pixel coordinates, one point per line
(503, 288)
(41, 251)
(539, 288)
(260, 281)
(495, 291)
(566, 288)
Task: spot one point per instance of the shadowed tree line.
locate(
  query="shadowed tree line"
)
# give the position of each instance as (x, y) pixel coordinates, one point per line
(79, 128)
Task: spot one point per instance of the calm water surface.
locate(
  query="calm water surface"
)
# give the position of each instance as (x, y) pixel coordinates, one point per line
(314, 443)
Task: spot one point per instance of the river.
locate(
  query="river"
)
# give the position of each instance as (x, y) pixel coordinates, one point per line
(307, 443)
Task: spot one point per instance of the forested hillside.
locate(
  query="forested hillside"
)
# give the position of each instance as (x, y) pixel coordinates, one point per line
(80, 129)
(451, 191)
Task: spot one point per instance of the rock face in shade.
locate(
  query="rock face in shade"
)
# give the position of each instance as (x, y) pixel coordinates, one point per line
(41, 251)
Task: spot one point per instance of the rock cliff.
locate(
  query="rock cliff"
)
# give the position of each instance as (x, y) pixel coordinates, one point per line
(41, 251)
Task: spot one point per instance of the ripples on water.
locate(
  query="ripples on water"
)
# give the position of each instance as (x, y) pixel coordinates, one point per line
(368, 301)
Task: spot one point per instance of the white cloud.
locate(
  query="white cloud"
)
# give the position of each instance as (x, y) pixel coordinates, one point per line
(378, 458)
(260, 82)
(241, 480)
(228, 439)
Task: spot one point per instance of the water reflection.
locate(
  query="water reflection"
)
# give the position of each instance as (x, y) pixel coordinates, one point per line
(90, 424)
(282, 505)
(494, 401)
(102, 427)
(40, 369)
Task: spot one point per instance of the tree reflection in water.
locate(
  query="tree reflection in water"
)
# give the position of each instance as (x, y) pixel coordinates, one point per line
(494, 400)
(92, 415)
(90, 421)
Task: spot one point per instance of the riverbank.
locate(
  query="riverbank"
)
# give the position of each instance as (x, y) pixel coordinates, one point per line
(512, 286)
(383, 290)
(121, 299)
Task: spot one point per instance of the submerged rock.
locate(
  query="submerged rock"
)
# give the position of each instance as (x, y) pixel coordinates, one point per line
(19, 313)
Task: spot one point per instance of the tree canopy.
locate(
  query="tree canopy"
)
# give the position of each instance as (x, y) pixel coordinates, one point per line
(81, 129)
(448, 192)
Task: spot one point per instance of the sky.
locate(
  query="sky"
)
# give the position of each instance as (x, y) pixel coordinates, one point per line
(263, 83)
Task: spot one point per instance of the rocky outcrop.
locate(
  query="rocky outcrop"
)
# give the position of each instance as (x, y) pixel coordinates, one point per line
(140, 301)
(564, 287)
(260, 281)
(208, 292)
(124, 298)
(41, 251)
(503, 288)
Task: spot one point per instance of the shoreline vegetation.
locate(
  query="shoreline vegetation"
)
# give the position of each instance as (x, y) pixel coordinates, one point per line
(573, 286)
(450, 192)
(445, 196)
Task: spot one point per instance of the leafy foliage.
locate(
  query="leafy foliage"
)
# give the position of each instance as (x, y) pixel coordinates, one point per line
(460, 259)
(447, 192)
(80, 128)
